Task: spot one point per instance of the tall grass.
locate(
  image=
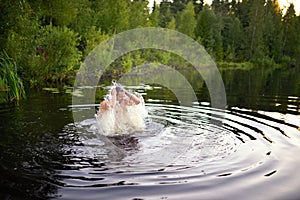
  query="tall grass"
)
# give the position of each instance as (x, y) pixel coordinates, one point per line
(11, 86)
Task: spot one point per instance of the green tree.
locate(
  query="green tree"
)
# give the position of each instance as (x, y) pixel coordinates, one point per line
(232, 38)
(242, 11)
(273, 31)
(203, 31)
(21, 41)
(297, 52)
(139, 14)
(172, 24)
(154, 16)
(221, 7)
(291, 40)
(112, 16)
(254, 32)
(177, 6)
(233, 8)
(208, 31)
(165, 15)
(84, 18)
(9, 10)
(187, 20)
(56, 12)
(198, 5)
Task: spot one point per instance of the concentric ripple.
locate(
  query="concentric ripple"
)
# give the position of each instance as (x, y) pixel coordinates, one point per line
(184, 155)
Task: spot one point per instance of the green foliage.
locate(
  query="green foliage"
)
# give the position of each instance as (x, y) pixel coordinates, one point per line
(85, 17)
(93, 37)
(254, 32)
(46, 53)
(208, 31)
(59, 52)
(232, 34)
(112, 16)
(49, 39)
(273, 32)
(172, 24)
(154, 16)
(21, 41)
(234, 65)
(127, 62)
(204, 31)
(165, 15)
(139, 14)
(55, 56)
(291, 40)
(187, 21)
(56, 12)
(11, 86)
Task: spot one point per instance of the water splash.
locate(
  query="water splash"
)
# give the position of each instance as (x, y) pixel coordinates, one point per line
(120, 114)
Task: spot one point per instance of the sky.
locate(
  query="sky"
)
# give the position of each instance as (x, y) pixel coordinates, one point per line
(284, 4)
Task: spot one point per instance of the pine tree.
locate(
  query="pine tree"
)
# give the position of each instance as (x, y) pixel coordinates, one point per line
(208, 32)
(154, 16)
(221, 7)
(203, 31)
(139, 14)
(172, 24)
(242, 12)
(273, 32)
(198, 5)
(232, 37)
(187, 21)
(165, 15)
(112, 16)
(233, 8)
(254, 31)
(291, 40)
(177, 6)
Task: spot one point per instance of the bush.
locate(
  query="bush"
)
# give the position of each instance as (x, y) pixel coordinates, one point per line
(57, 53)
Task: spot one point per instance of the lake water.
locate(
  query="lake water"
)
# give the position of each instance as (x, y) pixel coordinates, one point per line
(253, 154)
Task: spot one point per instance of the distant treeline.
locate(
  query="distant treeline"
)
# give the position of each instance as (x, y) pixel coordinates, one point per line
(49, 39)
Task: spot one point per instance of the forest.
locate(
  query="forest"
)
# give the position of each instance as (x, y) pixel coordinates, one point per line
(44, 42)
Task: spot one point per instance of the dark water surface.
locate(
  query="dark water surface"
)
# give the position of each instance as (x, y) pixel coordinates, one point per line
(254, 154)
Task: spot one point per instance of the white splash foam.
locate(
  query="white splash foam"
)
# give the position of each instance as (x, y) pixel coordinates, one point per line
(119, 121)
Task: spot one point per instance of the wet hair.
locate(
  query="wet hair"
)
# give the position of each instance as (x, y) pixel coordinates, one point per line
(119, 89)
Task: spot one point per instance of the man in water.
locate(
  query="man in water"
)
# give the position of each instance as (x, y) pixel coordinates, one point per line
(120, 97)
(120, 112)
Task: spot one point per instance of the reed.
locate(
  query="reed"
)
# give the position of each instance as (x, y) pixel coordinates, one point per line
(11, 86)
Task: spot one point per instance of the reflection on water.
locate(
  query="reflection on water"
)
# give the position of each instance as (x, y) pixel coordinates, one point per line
(180, 155)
